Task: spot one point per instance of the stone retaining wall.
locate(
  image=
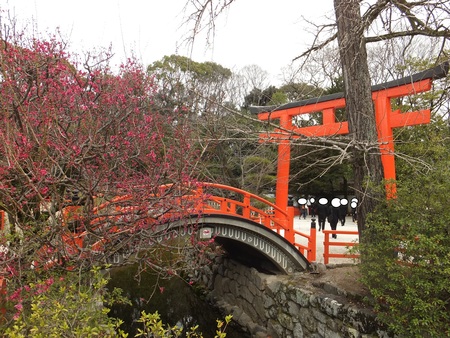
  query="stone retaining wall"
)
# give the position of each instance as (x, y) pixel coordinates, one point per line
(277, 306)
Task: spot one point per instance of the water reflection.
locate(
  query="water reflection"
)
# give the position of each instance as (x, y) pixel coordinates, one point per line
(174, 299)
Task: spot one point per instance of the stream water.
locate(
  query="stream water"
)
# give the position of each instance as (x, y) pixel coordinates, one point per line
(175, 300)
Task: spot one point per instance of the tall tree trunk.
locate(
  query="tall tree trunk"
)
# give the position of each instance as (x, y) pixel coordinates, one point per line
(360, 111)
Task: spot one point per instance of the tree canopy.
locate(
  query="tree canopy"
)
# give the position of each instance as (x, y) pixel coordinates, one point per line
(75, 138)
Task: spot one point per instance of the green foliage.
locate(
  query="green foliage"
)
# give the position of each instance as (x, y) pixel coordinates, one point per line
(69, 306)
(416, 141)
(258, 173)
(231, 154)
(154, 327)
(337, 86)
(312, 171)
(300, 91)
(258, 97)
(406, 254)
(74, 306)
(201, 70)
(197, 88)
(278, 98)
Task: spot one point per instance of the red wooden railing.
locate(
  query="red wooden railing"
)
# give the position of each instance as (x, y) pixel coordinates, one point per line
(245, 204)
(208, 198)
(327, 244)
(267, 214)
(309, 250)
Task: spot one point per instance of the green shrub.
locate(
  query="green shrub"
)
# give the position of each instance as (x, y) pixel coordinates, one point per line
(406, 257)
(69, 306)
(153, 325)
(74, 306)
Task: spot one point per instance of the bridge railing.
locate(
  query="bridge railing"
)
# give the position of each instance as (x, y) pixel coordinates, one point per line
(223, 199)
(213, 198)
(327, 244)
(309, 250)
(241, 203)
(204, 198)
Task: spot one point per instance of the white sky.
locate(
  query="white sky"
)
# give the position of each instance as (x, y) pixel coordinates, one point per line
(265, 33)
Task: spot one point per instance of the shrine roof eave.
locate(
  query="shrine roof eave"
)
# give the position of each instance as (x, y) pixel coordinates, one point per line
(438, 72)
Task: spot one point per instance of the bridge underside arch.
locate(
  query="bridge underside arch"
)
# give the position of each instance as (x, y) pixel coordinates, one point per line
(252, 244)
(245, 241)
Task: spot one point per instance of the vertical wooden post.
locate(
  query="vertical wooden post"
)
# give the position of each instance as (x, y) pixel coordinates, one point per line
(312, 245)
(282, 186)
(326, 247)
(246, 210)
(383, 110)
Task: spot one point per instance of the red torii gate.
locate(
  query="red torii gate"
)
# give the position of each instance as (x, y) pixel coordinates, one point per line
(386, 120)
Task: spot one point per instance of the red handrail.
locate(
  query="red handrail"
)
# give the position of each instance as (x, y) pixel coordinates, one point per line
(213, 198)
(309, 251)
(265, 214)
(203, 199)
(327, 244)
(283, 224)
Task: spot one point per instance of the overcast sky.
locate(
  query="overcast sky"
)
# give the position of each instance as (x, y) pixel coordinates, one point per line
(266, 33)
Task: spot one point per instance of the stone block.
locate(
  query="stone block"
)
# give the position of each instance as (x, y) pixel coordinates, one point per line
(257, 279)
(258, 305)
(245, 294)
(253, 289)
(236, 312)
(307, 319)
(319, 315)
(229, 298)
(273, 285)
(284, 307)
(331, 334)
(286, 321)
(275, 330)
(234, 287)
(330, 306)
(297, 331)
(302, 298)
(267, 301)
(292, 308)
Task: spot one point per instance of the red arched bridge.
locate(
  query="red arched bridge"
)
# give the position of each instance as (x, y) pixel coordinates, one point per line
(249, 227)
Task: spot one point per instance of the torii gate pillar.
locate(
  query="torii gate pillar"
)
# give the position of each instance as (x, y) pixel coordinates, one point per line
(283, 167)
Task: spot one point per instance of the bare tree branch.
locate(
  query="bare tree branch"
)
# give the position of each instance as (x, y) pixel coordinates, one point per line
(203, 17)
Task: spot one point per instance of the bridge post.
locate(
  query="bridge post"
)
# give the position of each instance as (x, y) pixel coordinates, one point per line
(312, 245)
(246, 211)
(326, 247)
(289, 233)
